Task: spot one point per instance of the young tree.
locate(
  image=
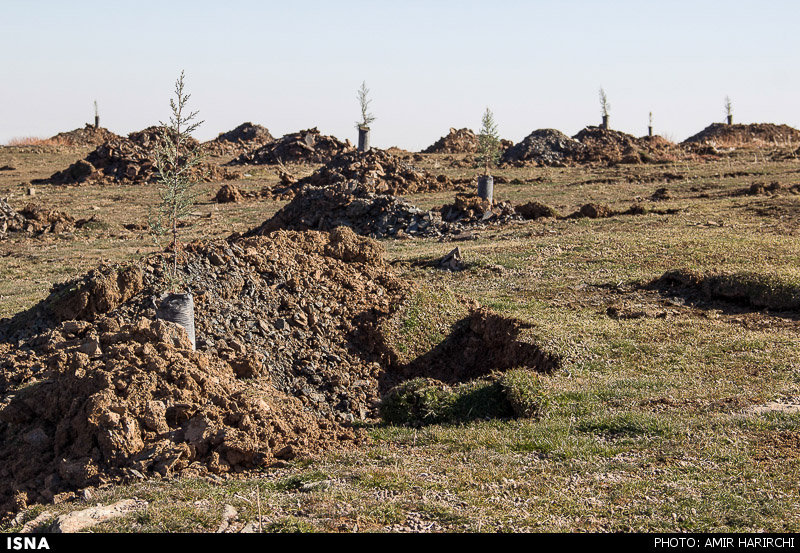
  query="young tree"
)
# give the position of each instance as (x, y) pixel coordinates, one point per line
(728, 110)
(96, 116)
(488, 143)
(364, 102)
(176, 161)
(605, 107)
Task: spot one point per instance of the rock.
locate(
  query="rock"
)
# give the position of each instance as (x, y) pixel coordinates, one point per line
(452, 261)
(86, 518)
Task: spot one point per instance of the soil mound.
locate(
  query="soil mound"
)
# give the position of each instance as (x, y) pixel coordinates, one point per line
(243, 138)
(469, 209)
(612, 147)
(308, 146)
(457, 141)
(34, 219)
(355, 206)
(87, 136)
(290, 347)
(535, 210)
(545, 147)
(375, 170)
(128, 161)
(743, 136)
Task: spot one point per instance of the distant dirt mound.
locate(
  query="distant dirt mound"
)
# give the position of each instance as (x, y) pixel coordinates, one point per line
(377, 171)
(457, 141)
(128, 161)
(375, 215)
(743, 136)
(609, 146)
(308, 146)
(547, 147)
(87, 136)
(354, 206)
(34, 219)
(243, 138)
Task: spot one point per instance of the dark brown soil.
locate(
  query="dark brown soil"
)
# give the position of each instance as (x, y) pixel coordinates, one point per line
(87, 136)
(308, 146)
(721, 135)
(243, 138)
(128, 161)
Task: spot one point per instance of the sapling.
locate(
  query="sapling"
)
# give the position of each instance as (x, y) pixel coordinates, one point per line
(176, 160)
(488, 153)
(605, 107)
(96, 116)
(650, 124)
(366, 118)
(728, 110)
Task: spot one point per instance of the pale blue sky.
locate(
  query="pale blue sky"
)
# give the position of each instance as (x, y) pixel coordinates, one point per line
(429, 64)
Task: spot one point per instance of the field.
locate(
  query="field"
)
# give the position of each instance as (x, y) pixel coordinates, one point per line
(671, 411)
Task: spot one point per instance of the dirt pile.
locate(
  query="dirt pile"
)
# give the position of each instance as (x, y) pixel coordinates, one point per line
(545, 147)
(110, 402)
(243, 138)
(290, 347)
(535, 210)
(308, 146)
(753, 135)
(377, 171)
(612, 147)
(355, 206)
(469, 209)
(34, 219)
(87, 136)
(128, 161)
(457, 141)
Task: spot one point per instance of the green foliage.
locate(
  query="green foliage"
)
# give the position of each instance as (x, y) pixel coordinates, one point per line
(605, 107)
(424, 401)
(523, 389)
(364, 102)
(488, 143)
(175, 161)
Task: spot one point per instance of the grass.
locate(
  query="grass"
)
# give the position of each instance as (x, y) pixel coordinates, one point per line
(645, 426)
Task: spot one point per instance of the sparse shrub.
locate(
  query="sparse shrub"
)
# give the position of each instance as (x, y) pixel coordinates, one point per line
(416, 402)
(421, 401)
(175, 159)
(488, 143)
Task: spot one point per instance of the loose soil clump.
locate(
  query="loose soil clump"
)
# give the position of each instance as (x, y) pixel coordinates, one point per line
(34, 219)
(128, 161)
(308, 146)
